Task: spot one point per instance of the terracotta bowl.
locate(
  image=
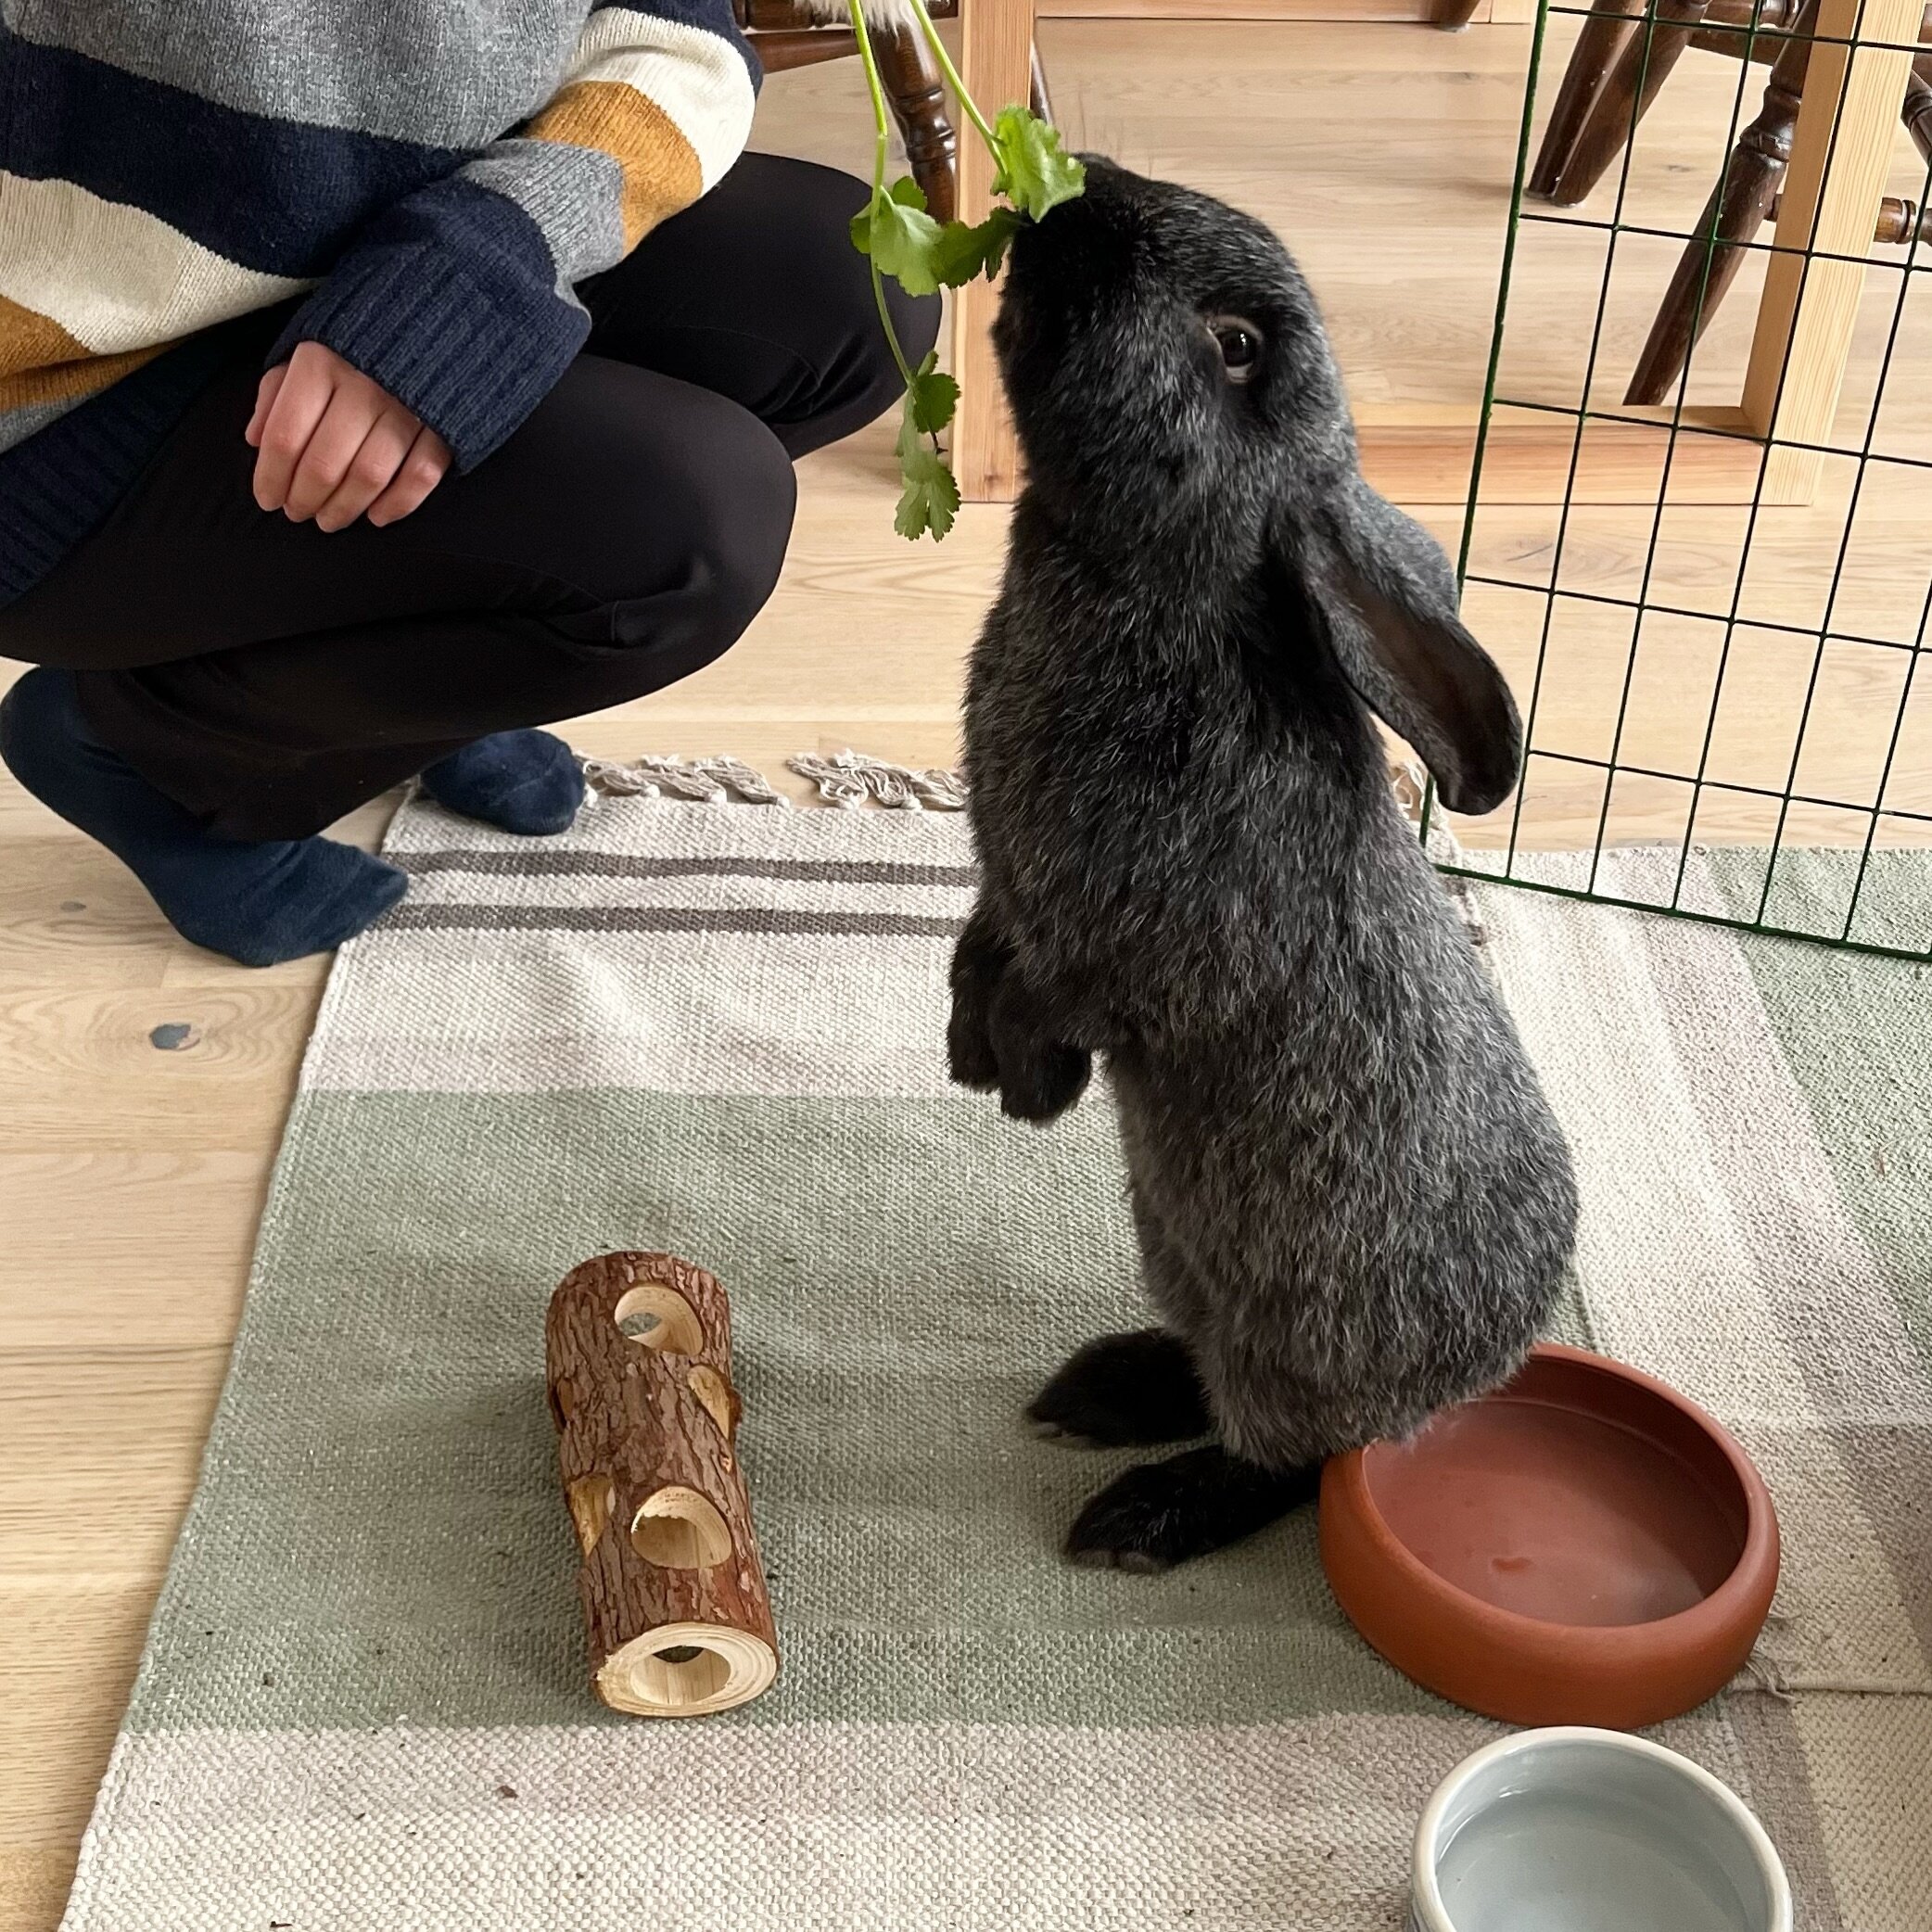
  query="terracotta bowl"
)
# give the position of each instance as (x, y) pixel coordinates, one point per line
(1583, 1547)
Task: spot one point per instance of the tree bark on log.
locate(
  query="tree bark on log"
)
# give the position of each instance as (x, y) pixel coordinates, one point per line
(638, 1358)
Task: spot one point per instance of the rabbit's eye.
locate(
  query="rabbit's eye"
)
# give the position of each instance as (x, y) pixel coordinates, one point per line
(1239, 343)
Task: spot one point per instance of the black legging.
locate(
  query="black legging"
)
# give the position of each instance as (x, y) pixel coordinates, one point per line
(270, 677)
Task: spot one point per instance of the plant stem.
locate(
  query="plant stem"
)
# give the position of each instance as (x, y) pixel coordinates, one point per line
(879, 147)
(952, 74)
(891, 335)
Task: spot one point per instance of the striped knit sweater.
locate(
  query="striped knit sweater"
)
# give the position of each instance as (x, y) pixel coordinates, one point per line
(416, 184)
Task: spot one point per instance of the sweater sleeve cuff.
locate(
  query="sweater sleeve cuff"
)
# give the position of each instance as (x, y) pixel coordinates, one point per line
(472, 361)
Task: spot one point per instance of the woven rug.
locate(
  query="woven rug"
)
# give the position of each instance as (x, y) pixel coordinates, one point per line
(716, 1028)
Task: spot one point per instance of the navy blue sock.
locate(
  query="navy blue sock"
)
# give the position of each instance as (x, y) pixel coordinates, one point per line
(526, 782)
(258, 903)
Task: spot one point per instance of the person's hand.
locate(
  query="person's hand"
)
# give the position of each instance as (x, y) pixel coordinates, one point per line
(335, 446)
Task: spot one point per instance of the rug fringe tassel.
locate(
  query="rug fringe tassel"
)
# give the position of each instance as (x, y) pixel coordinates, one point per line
(850, 779)
(846, 778)
(698, 780)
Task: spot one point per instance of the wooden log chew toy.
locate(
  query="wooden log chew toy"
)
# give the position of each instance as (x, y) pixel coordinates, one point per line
(639, 1360)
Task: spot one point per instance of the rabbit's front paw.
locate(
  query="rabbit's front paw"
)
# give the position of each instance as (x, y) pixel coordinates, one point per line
(969, 1049)
(1122, 1388)
(1163, 1513)
(980, 962)
(1043, 1080)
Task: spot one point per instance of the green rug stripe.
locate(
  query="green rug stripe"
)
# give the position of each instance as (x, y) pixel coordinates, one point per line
(909, 1522)
(1857, 1033)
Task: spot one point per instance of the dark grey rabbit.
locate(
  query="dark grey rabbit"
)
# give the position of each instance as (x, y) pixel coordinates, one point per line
(1353, 1200)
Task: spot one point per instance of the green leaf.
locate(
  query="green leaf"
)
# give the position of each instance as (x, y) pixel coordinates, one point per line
(928, 501)
(963, 252)
(931, 498)
(933, 397)
(897, 232)
(1036, 171)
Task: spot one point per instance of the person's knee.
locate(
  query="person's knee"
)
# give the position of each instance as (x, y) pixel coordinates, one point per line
(743, 507)
(649, 518)
(731, 503)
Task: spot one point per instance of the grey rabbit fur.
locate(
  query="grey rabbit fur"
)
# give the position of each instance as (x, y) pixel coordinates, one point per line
(1354, 1203)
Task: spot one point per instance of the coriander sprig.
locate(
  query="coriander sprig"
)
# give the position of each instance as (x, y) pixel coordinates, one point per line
(1033, 171)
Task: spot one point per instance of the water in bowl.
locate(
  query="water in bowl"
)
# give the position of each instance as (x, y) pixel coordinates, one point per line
(1571, 1861)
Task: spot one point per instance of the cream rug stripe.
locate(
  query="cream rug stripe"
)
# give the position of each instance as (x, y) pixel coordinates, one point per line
(1871, 1765)
(896, 1825)
(1847, 1339)
(1669, 1281)
(667, 1013)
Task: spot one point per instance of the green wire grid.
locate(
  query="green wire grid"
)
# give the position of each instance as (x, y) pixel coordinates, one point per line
(1699, 783)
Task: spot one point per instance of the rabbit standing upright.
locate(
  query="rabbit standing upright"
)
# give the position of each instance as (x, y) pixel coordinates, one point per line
(1353, 1200)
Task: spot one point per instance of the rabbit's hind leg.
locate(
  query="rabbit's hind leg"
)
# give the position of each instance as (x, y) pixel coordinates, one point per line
(1161, 1513)
(1141, 1388)
(1124, 1389)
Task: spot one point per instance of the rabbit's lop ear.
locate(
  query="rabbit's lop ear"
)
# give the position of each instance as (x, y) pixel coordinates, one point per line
(1388, 597)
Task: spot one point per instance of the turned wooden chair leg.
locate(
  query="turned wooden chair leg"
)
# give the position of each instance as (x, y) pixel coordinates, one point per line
(918, 99)
(1457, 14)
(1737, 209)
(1917, 111)
(1649, 54)
(1591, 64)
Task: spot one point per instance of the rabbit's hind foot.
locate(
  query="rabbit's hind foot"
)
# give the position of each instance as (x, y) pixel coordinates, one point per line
(1124, 1390)
(1163, 1513)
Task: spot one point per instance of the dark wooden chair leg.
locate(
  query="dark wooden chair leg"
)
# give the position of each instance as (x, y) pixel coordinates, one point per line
(918, 99)
(1736, 212)
(1457, 14)
(1642, 65)
(1917, 112)
(1591, 63)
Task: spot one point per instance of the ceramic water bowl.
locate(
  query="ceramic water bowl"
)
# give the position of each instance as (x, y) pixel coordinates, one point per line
(1592, 1831)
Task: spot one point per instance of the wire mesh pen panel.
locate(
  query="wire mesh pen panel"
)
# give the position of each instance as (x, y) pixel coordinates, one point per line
(1700, 536)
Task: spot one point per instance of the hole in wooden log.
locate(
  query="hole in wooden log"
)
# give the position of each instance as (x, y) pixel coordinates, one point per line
(715, 1393)
(660, 1318)
(563, 1402)
(677, 1529)
(591, 1500)
(686, 1670)
(673, 1680)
